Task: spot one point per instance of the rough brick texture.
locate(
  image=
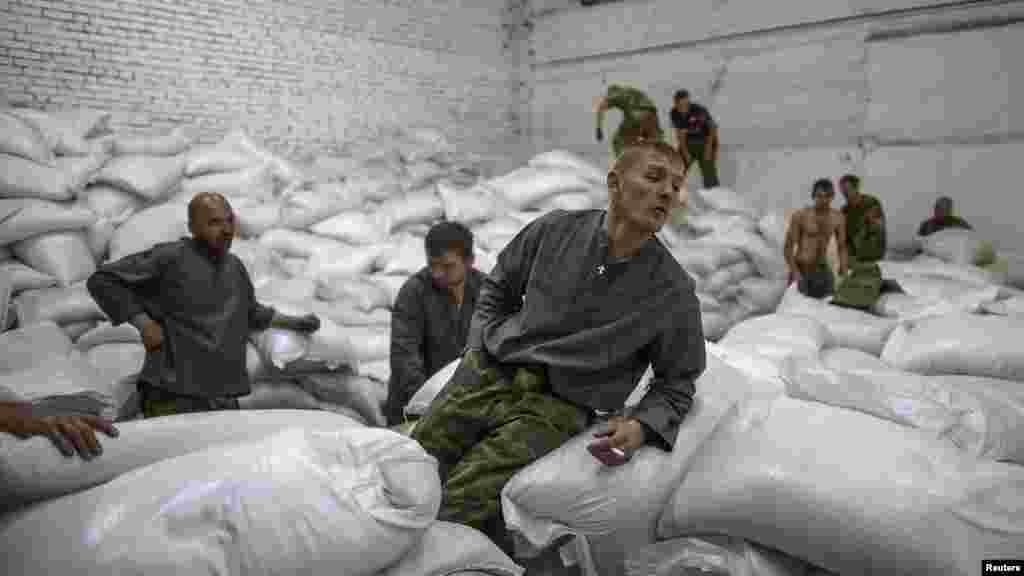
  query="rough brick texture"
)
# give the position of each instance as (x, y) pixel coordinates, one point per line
(295, 73)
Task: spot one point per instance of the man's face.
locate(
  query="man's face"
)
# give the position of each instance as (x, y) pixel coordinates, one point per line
(646, 192)
(849, 191)
(682, 104)
(943, 210)
(823, 198)
(448, 270)
(214, 226)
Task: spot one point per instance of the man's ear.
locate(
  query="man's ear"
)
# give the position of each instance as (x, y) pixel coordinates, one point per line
(613, 183)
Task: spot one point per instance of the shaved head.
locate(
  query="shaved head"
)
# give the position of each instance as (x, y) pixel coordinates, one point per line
(202, 201)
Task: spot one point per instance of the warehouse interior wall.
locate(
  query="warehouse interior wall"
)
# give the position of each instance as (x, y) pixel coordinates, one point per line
(913, 95)
(295, 74)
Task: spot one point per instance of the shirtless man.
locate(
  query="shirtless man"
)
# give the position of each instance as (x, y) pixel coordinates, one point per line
(807, 243)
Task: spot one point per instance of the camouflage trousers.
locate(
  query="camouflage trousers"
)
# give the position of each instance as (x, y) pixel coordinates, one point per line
(861, 288)
(486, 425)
(158, 402)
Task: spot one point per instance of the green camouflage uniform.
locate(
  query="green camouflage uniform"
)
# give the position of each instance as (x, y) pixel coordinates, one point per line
(630, 100)
(861, 288)
(486, 425)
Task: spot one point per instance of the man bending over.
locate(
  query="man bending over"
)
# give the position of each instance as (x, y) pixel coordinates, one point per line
(807, 240)
(577, 307)
(639, 117)
(194, 304)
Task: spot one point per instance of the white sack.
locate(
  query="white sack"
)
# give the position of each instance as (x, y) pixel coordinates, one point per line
(332, 345)
(849, 328)
(768, 259)
(5, 254)
(726, 200)
(378, 370)
(931, 267)
(359, 228)
(720, 223)
(152, 226)
(344, 388)
(151, 177)
(260, 262)
(363, 294)
(805, 479)
(1008, 307)
(68, 131)
(569, 492)
(80, 170)
(119, 362)
(404, 255)
(776, 336)
(22, 218)
(528, 186)
(347, 313)
(449, 549)
(374, 181)
(111, 202)
(571, 202)
(967, 344)
(730, 275)
(21, 178)
(392, 284)
(421, 400)
(703, 258)
(32, 469)
(75, 330)
(344, 261)
(714, 555)
(287, 290)
(107, 333)
(956, 246)
(98, 237)
(418, 207)
(343, 500)
(761, 295)
(6, 291)
(23, 139)
(468, 205)
(568, 160)
(236, 151)
(31, 346)
(256, 182)
(715, 324)
(65, 305)
(422, 174)
(708, 302)
(303, 207)
(170, 143)
(278, 393)
(66, 256)
(256, 218)
(67, 383)
(772, 226)
(24, 278)
(292, 243)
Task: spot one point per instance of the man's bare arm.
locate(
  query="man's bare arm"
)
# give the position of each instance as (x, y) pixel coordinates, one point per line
(792, 241)
(841, 244)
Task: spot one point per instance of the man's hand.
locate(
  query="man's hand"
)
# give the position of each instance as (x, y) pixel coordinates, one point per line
(599, 134)
(152, 335)
(626, 434)
(69, 434)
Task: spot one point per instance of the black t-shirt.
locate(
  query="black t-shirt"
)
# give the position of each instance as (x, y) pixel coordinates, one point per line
(697, 122)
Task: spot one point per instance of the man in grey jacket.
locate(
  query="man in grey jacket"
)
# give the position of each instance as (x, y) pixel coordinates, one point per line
(579, 304)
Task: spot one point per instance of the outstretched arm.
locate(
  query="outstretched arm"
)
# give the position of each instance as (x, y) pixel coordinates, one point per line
(792, 243)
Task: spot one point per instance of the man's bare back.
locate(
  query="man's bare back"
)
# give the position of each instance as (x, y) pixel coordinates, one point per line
(812, 230)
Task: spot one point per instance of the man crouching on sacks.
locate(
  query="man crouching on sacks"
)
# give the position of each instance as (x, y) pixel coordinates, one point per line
(194, 304)
(577, 307)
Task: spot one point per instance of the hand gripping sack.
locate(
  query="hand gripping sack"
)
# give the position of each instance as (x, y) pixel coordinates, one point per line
(448, 549)
(851, 493)
(612, 510)
(67, 256)
(847, 327)
(22, 218)
(967, 344)
(340, 500)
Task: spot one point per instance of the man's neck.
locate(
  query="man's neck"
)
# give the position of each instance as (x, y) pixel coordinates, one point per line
(212, 255)
(624, 240)
(821, 211)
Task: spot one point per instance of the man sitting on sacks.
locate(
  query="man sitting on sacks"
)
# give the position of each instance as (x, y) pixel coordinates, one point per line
(807, 241)
(194, 303)
(431, 316)
(70, 433)
(577, 307)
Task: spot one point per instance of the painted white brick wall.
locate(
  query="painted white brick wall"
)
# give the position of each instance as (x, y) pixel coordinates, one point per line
(808, 90)
(295, 73)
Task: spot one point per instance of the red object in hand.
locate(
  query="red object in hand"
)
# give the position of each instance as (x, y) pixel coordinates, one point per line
(606, 454)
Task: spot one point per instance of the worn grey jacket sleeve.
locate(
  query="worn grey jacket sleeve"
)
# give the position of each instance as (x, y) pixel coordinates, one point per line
(260, 316)
(677, 359)
(122, 287)
(407, 327)
(501, 293)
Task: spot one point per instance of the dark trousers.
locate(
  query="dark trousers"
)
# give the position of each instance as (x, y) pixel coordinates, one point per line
(157, 402)
(708, 168)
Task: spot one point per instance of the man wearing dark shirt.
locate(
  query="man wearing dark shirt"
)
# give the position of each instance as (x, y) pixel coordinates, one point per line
(194, 304)
(865, 222)
(577, 307)
(431, 316)
(696, 136)
(942, 218)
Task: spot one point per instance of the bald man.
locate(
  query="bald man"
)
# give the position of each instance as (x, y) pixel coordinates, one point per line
(577, 307)
(194, 304)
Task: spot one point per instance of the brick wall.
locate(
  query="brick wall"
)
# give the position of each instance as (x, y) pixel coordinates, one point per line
(297, 74)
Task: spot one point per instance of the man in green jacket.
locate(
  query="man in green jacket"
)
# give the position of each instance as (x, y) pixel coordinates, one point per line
(639, 117)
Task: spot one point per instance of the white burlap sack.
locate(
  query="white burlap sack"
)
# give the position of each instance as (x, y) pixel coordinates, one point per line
(848, 328)
(6, 291)
(967, 344)
(77, 329)
(375, 180)
(119, 362)
(777, 336)
(392, 284)
(80, 170)
(570, 492)
(567, 160)
(418, 207)
(235, 152)
(24, 278)
(68, 131)
(361, 293)
(145, 229)
(726, 200)
(21, 178)
(292, 243)
(21, 218)
(169, 143)
(715, 554)
(454, 549)
(152, 177)
(378, 371)
(67, 383)
(359, 228)
(716, 223)
(572, 201)
(730, 275)
(106, 333)
(405, 255)
(350, 261)
(421, 400)
(287, 290)
(468, 205)
(334, 344)
(772, 226)
(496, 234)
(345, 388)
(260, 262)
(278, 393)
(1008, 307)
(257, 182)
(23, 139)
(347, 313)
(315, 498)
(708, 302)
(528, 186)
(931, 267)
(61, 305)
(32, 345)
(805, 479)
(956, 246)
(67, 256)
(768, 259)
(111, 202)
(715, 324)
(703, 258)
(303, 207)
(422, 173)
(761, 295)
(5, 254)
(256, 218)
